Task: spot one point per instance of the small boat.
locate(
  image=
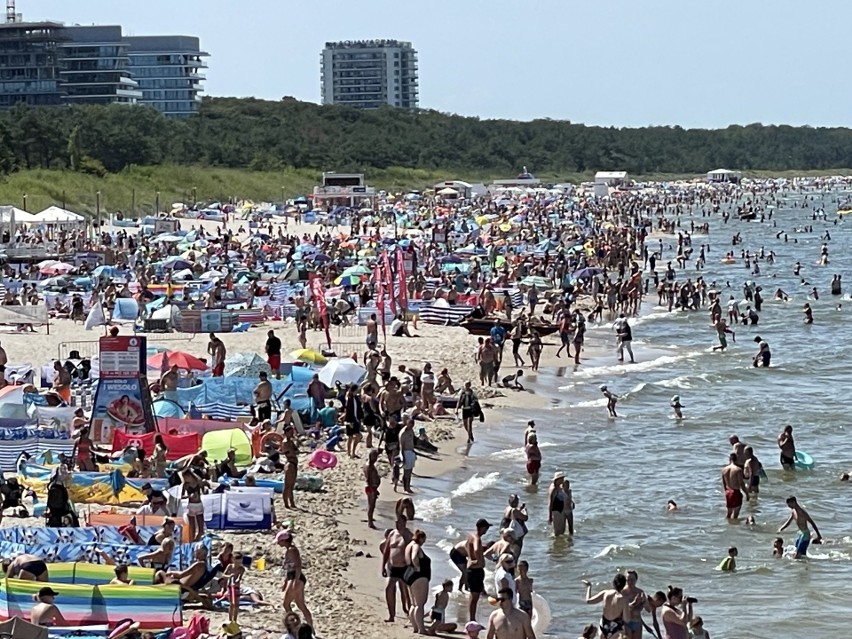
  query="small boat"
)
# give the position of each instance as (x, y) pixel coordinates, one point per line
(483, 326)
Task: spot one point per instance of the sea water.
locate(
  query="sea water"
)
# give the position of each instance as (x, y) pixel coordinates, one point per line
(624, 470)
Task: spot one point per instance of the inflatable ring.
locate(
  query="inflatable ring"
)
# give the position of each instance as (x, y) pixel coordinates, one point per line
(269, 438)
(322, 459)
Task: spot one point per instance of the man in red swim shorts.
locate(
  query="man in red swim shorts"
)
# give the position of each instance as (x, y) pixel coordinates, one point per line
(273, 354)
(733, 484)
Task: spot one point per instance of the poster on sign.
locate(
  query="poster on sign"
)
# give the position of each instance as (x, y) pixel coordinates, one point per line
(119, 403)
(122, 398)
(123, 357)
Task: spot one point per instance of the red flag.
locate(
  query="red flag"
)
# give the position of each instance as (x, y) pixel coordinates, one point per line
(400, 277)
(380, 296)
(318, 292)
(389, 282)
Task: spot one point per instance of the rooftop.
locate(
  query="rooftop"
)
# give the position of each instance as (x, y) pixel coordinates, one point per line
(371, 44)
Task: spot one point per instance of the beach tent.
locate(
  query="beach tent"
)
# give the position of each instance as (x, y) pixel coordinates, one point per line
(217, 443)
(56, 215)
(21, 216)
(167, 408)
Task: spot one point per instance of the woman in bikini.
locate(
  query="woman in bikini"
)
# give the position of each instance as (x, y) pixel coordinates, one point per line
(295, 580)
(192, 487)
(158, 457)
(291, 469)
(83, 452)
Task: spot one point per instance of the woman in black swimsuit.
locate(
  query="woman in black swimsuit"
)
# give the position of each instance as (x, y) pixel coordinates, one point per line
(417, 575)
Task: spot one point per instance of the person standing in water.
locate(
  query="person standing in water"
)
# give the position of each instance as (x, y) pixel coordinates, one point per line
(677, 407)
(788, 448)
(733, 485)
(615, 606)
(560, 505)
(612, 400)
(802, 519)
(533, 453)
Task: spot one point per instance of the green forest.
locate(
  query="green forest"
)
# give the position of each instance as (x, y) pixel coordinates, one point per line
(266, 136)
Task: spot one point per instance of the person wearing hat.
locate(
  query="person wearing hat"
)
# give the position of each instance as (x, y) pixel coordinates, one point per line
(559, 505)
(677, 407)
(472, 629)
(504, 574)
(45, 612)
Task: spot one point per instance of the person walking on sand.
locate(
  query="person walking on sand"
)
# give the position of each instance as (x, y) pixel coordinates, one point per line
(467, 402)
(733, 485)
(294, 578)
(393, 566)
(217, 351)
(273, 353)
(802, 519)
(406, 449)
(373, 481)
(476, 566)
(560, 505)
(418, 572)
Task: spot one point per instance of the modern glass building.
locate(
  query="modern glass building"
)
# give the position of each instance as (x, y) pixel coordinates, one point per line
(29, 64)
(369, 73)
(95, 67)
(169, 72)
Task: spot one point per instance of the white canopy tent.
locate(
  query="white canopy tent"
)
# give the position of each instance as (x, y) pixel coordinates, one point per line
(56, 215)
(20, 216)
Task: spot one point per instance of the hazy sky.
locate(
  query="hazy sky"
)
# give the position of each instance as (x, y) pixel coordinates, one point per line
(607, 62)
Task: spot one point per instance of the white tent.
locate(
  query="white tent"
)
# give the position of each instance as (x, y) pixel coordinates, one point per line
(21, 216)
(56, 215)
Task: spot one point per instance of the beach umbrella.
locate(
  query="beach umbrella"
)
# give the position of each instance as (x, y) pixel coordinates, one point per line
(209, 275)
(177, 264)
(537, 281)
(245, 365)
(319, 257)
(168, 238)
(105, 271)
(58, 268)
(54, 281)
(308, 356)
(343, 370)
(182, 360)
(589, 271)
(348, 280)
(358, 269)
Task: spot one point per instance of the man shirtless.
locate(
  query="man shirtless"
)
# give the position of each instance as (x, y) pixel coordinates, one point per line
(216, 349)
(169, 383)
(509, 622)
(637, 602)
(476, 566)
(788, 448)
(751, 471)
(372, 331)
(263, 397)
(615, 606)
(738, 448)
(191, 580)
(733, 485)
(406, 449)
(391, 400)
(394, 564)
(373, 481)
(802, 519)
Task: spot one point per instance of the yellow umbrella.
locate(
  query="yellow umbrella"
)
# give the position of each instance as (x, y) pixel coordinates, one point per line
(308, 356)
(505, 227)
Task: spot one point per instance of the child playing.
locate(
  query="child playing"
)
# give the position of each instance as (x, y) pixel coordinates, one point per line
(696, 629)
(778, 547)
(729, 563)
(612, 400)
(524, 588)
(234, 574)
(439, 610)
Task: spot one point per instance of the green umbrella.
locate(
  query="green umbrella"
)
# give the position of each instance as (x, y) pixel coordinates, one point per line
(538, 281)
(358, 269)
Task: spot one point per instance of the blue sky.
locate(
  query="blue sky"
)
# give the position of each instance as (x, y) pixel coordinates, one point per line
(605, 62)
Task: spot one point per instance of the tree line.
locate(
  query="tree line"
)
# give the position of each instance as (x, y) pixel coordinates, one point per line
(264, 135)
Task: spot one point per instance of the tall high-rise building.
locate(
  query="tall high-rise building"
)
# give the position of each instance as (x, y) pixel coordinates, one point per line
(29, 64)
(369, 73)
(95, 66)
(50, 64)
(168, 69)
